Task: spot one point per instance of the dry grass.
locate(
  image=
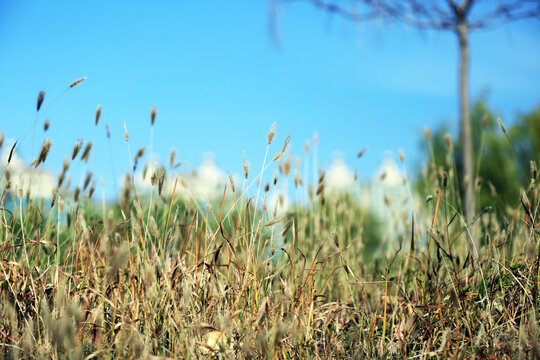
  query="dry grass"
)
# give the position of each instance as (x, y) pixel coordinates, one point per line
(177, 279)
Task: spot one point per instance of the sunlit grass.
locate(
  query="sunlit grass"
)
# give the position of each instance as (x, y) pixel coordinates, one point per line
(166, 275)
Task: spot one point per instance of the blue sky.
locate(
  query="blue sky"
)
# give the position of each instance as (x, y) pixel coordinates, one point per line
(219, 80)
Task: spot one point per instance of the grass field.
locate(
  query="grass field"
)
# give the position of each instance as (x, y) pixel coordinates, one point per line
(165, 276)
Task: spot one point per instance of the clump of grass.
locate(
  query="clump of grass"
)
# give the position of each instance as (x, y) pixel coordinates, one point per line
(226, 279)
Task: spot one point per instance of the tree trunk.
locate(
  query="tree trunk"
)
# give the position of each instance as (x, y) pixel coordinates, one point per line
(465, 120)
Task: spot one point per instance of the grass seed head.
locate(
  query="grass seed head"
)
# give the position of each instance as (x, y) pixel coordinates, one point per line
(45, 148)
(87, 180)
(286, 143)
(86, 152)
(153, 113)
(361, 153)
(246, 165)
(2, 135)
(77, 82)
(126, 135)
(172, 157)
(271, 133)
(427, 133)
(98, 114)
(501, 125)
(46, 125)
(77, 148)
(139, 154)
(297, 179)
(40, 98)
(448, 142)
(91, 190)
(107, 131)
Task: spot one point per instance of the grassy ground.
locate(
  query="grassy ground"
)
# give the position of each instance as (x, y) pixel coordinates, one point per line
(163, 276)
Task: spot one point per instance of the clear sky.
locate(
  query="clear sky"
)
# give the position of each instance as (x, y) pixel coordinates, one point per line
(219, 80)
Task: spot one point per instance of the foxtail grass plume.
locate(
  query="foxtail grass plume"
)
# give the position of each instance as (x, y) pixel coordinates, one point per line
(153, 113)
(401, 156)
(86, 152)
(286, 166)
(126, 135)
(91, 190)
(231, 180)
(76, 148)
(297, 179)
(501, 125)
(139, 154)
(98, 114)
(172, 157)
(271, 133)
(246, 165)
(45, 148)
(285, 144)
(77, 82)
(427, 133)
(87, 180)
(40, 98)
(361, 153)
(107, 131)
(46, 125)
(306, 147)
(448, 141)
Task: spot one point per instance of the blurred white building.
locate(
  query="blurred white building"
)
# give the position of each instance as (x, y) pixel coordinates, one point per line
(37, 183)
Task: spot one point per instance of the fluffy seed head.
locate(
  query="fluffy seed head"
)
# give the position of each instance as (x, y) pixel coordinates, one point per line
(232, 183)
(76, 148)
(46, 125)
(126, 135)
(139, 154)
(107, 131)
(501, 125)
(427, 133)
(40, 98)
(361, 153)
(246, 165)
(98, 113)
(87, 180)
(153, 113)
(86, 152)
(77, 82)
(401, 156)
(45, 148)
(172, 156)
(271, 133)
(448, 141)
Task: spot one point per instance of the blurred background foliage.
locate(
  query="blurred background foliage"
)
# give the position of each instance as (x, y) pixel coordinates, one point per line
(501, 157)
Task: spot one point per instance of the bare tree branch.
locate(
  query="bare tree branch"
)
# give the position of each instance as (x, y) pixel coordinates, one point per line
(429, 14)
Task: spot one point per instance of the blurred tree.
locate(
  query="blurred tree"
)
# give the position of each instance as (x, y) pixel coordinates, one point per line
(450, 15)
(526, 136)
(501, 163)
